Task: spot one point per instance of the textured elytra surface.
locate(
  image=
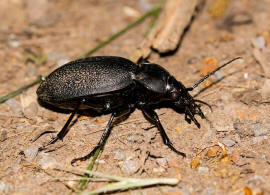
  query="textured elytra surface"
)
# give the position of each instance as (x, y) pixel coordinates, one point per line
(86, 77)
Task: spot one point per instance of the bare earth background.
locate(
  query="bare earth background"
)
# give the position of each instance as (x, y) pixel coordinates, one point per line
(36, 37)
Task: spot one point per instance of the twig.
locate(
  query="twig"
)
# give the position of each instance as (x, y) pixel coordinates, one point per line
(177, 16)
(135, 183)
(123, 183)
(20, 90)
(169, 28)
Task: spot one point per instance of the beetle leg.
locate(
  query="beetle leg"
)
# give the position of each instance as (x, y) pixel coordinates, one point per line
(64, 130)
(101, 142)
(187, 119)
(153, 117)
(191, 115)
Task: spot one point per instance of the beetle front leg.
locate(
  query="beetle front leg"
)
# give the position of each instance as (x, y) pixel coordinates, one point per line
(153, 117)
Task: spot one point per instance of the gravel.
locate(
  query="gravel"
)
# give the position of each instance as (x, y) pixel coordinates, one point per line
(5, 188)
(47, 161)
(259, 42)
(130, 167)
(31, 153)
(118, 155)
(228, 142)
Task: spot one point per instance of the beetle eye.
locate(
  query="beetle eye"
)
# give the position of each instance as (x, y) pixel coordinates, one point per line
(175, 96)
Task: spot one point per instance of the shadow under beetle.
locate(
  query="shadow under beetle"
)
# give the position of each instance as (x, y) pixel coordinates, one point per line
(109, 84)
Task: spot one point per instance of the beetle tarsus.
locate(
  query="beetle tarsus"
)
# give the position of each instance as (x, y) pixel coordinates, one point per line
(86, 157)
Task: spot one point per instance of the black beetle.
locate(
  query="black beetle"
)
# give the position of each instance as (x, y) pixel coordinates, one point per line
(109, 84)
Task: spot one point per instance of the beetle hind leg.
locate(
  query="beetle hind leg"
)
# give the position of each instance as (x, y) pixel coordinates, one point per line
(101, 142)
(153, 117)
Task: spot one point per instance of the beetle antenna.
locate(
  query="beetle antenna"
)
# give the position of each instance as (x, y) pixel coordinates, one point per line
(211, 73)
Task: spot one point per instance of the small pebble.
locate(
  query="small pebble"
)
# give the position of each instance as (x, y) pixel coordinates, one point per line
(136, 138)
(203, 170)
(118, 155)
(228, 142)
(259, 139)
(131, 12)
(162, 162)
(256, 180)
(3, 135)
(144, 5)
(100, 161)
(220, 126)
(219, 75)
(208, 191)
(63, 61)
(49, 115)
(72, 183)
(31, 153)
(5, 188)
(14, 105)
(130, 167)
(31, 110)
(192, 60)
(53, 56)
(259, 42)
(14, 43)
(159, 170)
(260, 129)
(47, 161)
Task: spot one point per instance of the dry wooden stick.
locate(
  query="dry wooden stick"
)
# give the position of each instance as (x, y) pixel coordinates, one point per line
(166, 35)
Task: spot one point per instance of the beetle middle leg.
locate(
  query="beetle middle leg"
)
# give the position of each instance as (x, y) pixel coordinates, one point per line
(106, 133)
(153, 117)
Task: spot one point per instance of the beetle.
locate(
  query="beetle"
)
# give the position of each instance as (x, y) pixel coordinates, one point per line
(110, 84)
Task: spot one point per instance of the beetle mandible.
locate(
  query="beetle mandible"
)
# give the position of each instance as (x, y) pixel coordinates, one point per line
(110, 84)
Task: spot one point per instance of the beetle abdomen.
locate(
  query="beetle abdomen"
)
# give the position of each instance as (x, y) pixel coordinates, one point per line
(86, 77)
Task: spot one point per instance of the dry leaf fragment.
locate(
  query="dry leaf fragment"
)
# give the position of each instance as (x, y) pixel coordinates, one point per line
(212, 152)
(179, 130)
(98, 120)
(210, 65)
(247, 191)
(227, 159)
(217, 9)
(195, 163)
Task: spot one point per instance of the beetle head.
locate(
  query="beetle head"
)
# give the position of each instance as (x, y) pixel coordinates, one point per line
(179, 94)
(181, 98)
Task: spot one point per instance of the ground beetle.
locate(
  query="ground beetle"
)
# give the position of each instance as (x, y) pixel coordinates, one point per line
(109, 84)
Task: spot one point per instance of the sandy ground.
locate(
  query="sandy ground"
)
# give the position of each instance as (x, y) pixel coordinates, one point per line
(36, 37)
